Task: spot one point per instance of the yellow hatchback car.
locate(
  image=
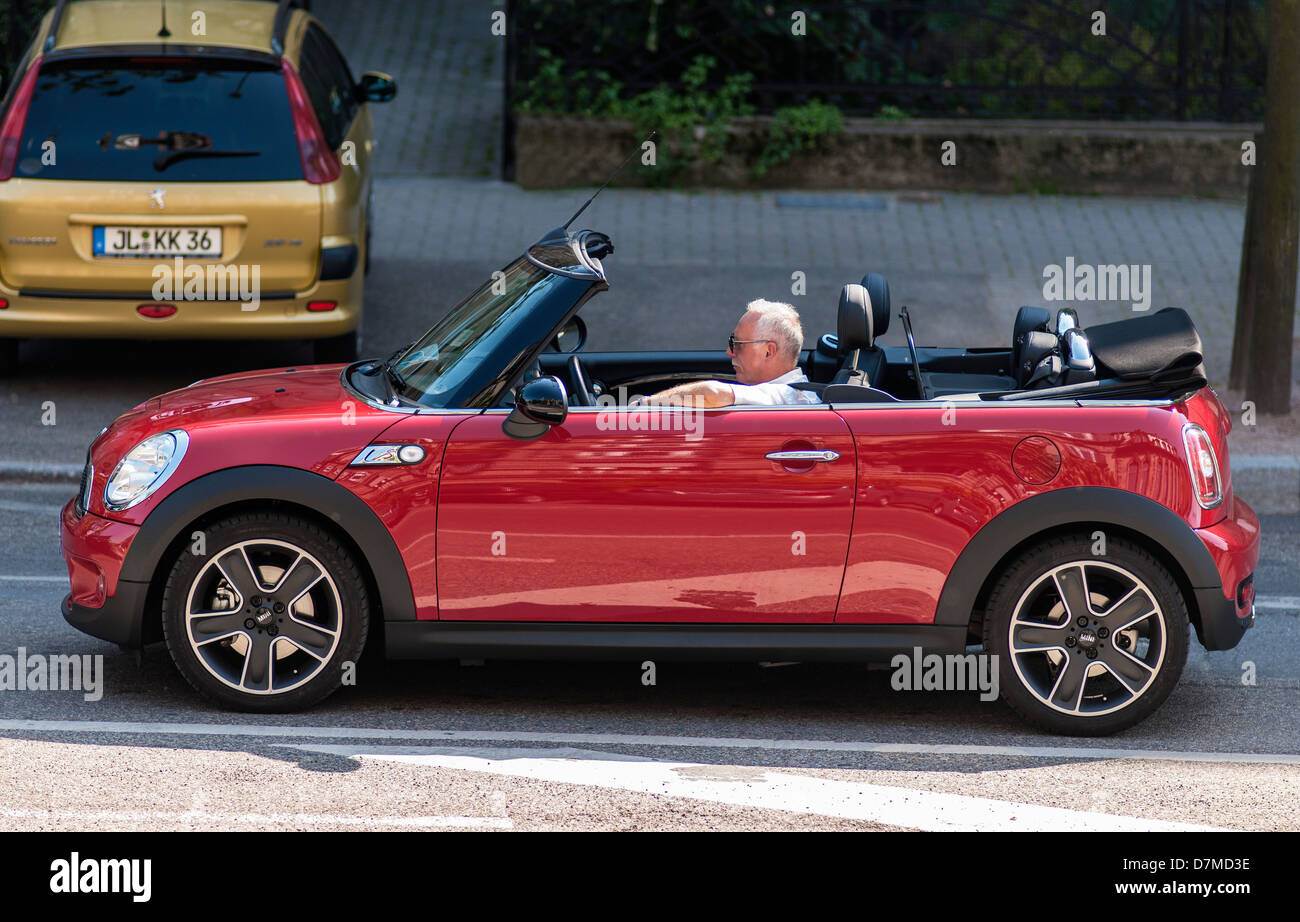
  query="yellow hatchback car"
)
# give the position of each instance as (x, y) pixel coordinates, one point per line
(183, 169)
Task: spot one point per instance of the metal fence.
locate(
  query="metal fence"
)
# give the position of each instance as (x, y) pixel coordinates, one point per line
(1157, 59)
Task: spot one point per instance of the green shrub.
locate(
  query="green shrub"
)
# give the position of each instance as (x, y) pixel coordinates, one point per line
(797, 128)
(692, 119)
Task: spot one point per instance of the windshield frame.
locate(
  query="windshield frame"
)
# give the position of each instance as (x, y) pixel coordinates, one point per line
(505, 350)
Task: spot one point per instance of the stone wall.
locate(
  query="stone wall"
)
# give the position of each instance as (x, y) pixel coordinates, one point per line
(1101, 158)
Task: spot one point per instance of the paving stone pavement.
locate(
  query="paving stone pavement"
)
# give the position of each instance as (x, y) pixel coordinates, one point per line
(446, 119)
(686, 261)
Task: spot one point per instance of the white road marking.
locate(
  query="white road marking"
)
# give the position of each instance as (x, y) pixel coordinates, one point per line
(1288, 603)
(260, 819)
(1266, 462)
(745, 786)
(272, 731)
(33, 579)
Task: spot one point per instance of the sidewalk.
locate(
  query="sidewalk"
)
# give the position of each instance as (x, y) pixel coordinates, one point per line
(446, 119)
(686, 262)
(962, 262)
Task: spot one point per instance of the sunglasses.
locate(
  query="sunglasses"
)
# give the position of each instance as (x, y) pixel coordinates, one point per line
(732, 342)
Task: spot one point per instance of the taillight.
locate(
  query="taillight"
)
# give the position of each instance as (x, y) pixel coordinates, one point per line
(319, 163)
(11, 130)
(1203, 465)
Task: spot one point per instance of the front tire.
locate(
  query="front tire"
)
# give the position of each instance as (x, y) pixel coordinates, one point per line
(1087, 645)
(268, 617)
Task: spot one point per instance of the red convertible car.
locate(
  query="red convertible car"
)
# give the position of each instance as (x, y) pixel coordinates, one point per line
(1064, 502)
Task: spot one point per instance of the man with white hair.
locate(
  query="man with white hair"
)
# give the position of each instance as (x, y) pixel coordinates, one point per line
(764, 350)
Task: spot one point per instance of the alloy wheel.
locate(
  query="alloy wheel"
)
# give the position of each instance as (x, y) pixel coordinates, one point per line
(263, 616)
(1087, 638)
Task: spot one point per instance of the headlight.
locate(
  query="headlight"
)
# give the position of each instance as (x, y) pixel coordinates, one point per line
(144, 469)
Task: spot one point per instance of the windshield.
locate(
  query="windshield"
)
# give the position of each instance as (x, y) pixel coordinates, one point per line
(482, 337)
(145, 120)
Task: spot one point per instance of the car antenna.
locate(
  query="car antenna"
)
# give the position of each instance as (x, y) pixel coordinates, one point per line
(163, 33)
(650, 137)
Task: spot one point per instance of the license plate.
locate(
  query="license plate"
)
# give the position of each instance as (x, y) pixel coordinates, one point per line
(157, 241)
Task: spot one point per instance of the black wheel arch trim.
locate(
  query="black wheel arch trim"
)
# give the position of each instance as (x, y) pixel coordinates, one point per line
(1084, 507)
(274, 483)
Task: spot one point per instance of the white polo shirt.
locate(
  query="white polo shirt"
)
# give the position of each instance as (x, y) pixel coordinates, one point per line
(774, 393)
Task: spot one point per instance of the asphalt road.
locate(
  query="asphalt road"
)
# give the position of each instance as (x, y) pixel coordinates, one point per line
(563, 746)
(588, 746)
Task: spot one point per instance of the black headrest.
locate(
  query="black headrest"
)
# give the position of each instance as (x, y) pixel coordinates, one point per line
(1029, 319)
(854, 325)
(878, 290)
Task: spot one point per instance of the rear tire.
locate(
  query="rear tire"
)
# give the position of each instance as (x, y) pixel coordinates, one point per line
(1086, 645)
(335, 349)
(266, 620)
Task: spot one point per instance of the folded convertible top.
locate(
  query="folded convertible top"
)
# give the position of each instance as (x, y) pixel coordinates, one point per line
(1161, 347)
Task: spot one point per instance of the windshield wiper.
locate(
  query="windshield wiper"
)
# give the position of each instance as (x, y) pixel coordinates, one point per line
(391, 372)
(163, 161)
(393, 380)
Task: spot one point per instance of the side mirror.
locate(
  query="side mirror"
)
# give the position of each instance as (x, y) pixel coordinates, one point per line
(539, 405)
(572, 337)
(376, 87)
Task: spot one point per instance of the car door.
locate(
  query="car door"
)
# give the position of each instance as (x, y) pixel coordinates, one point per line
(658, 515)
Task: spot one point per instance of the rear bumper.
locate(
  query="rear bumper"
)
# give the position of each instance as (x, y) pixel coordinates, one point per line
(278, 315)
(1227, 611)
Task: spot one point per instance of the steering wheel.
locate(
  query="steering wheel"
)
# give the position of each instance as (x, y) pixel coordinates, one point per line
(581, 383)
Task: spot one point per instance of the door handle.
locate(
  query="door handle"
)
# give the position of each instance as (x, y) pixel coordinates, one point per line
(815, 455)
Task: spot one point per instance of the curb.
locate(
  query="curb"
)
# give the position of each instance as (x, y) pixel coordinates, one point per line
(1270, 483)
(36, 472)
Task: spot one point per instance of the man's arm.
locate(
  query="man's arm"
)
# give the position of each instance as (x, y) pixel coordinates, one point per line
(695, 394)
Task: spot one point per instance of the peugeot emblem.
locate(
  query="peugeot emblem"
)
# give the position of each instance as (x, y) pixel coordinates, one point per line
(156, 197)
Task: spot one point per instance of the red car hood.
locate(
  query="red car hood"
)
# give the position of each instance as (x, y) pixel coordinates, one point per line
(274, 391)
(290, 417)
